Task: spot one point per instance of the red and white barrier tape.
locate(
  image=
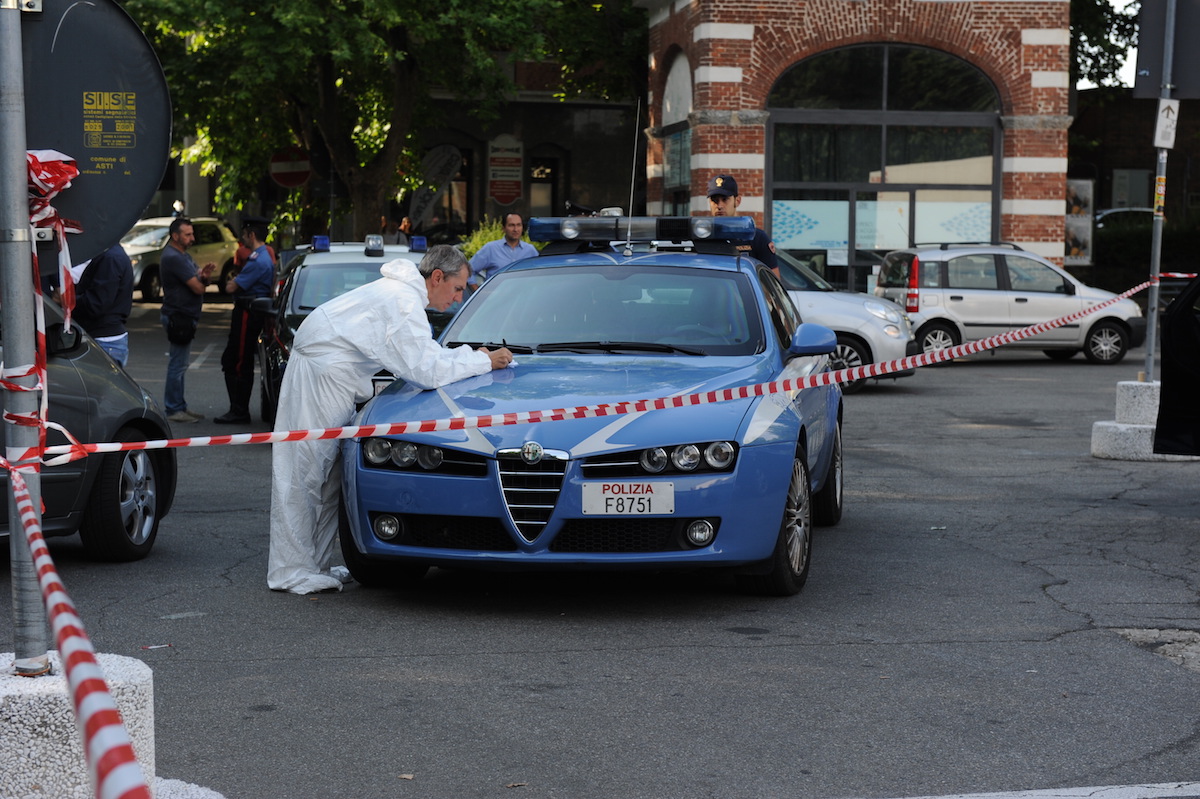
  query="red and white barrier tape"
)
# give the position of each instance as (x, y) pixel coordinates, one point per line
(112, 765)
(68, 452)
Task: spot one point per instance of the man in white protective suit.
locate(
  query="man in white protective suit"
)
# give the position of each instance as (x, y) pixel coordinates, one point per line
(336, 351)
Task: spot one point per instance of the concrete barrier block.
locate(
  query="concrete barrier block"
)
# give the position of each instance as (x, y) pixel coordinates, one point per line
(1137, 403)
(42, 751)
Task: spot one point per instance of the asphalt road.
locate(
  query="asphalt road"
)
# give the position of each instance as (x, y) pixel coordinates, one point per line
(961, 632)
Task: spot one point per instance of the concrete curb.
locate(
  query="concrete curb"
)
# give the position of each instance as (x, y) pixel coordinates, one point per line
(1131, 436)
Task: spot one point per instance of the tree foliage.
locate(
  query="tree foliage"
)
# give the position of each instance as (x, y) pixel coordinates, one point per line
(355, 78)
(1101, 36)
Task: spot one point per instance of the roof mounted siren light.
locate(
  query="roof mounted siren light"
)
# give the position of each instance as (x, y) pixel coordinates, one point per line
(642, 228)
(319, 244)
(373, 245)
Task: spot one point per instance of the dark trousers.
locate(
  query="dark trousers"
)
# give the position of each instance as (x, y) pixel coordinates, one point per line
(237, 361)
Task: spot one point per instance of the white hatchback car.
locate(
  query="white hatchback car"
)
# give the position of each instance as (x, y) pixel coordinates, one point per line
(869, 330)
(215, 242)
(955, 293)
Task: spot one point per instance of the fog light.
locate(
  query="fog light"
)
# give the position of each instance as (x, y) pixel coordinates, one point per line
(377, 450)
(404, 454)
(686, 458)
(429, 457)
(387, 527)
(719, 454)
(654, 460)
(700, 533)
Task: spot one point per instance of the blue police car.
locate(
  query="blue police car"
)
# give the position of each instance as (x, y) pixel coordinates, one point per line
(614, 309)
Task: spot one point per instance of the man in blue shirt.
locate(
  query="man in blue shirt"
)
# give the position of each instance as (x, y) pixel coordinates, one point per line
(495, 255)
(256, 279)
(723, 200)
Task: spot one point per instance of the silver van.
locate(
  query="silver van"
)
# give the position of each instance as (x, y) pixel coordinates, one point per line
(957, 293)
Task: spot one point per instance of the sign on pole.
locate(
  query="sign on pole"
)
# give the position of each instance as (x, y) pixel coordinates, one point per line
(1165, 124)
(290, 167)
(506, 160)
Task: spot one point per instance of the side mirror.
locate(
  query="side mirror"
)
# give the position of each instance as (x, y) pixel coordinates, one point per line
(811, 339)
(1069, 288)
(265, 305)
(58, 340)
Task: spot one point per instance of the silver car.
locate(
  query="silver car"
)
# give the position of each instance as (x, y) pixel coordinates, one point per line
(956, 293)
(869, 330)
(215, 243)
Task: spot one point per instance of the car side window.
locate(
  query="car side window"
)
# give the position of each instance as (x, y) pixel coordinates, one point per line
(972, 272)
(784, 317)
(206, 234)
(1026, 274)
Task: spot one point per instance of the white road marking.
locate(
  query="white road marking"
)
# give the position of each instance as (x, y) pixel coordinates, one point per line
(1161, 790)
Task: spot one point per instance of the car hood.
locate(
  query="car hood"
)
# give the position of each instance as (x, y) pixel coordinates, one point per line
(542, 383)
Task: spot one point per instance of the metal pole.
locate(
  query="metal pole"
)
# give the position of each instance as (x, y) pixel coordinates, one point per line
(17, 318)
(1160, 198)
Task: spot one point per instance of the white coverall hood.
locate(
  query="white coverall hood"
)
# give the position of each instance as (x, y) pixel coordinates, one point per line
(336, 351)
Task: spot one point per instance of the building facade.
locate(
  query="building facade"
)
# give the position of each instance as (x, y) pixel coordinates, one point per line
(855, 127)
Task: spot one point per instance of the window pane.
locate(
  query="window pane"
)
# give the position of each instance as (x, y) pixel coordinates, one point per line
(950, 216)
(827, 153)
(920, 79)
(810, 224)
(881, 221)
(972, 272)
(952, 155)
(850, 78)
(1026, 274)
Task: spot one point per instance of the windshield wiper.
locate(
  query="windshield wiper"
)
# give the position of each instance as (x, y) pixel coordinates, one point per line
(491, 345)
(614, 346)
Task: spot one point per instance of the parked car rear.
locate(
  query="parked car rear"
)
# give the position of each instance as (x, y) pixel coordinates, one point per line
(956, 293)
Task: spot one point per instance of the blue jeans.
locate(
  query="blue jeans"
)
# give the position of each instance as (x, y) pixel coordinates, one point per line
(118, 350)
(177, 365)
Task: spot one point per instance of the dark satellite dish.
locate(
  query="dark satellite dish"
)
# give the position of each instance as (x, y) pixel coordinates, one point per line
(94, 90)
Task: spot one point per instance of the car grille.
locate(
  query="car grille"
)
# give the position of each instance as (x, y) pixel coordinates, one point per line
(620, 535)
(531, 489)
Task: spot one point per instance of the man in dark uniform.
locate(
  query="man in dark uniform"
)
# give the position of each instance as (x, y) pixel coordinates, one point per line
(723, 200)
(256, 279)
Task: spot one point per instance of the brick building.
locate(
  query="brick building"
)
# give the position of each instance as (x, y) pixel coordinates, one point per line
(858, 126)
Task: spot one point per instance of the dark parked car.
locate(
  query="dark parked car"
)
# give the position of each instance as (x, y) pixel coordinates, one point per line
(114, 501)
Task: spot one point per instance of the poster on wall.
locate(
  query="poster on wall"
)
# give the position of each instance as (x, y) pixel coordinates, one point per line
(1078, 235)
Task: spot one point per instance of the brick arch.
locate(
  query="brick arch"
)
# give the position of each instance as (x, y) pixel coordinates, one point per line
(769, 69)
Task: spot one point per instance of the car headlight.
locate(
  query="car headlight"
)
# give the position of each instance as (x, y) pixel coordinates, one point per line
(882, 311)
(377, 450)
(719, 454)
(404, 454)
(686, 458)
(654, 460)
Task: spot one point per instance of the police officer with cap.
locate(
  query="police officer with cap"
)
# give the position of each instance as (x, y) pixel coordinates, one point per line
(256, 279)
(723, 200)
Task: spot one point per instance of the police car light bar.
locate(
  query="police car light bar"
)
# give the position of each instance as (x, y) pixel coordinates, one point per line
(641, 228)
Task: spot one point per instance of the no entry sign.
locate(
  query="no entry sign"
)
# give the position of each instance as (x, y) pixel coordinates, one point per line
(290, 167)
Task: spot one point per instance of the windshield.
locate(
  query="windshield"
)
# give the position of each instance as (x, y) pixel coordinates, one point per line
(146, 236)
(797, 276)
(320, 283)
(607, 308)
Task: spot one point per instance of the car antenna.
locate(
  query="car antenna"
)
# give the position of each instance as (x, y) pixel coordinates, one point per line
(637, 117)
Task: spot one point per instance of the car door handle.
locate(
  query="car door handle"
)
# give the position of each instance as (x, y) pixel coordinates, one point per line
(1020, 299)
(956, 296)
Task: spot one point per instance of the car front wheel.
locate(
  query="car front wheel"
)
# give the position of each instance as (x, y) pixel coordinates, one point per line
(150, 286)
(123, 510)
(847, 355)
(788, 564)
(1107, 343)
